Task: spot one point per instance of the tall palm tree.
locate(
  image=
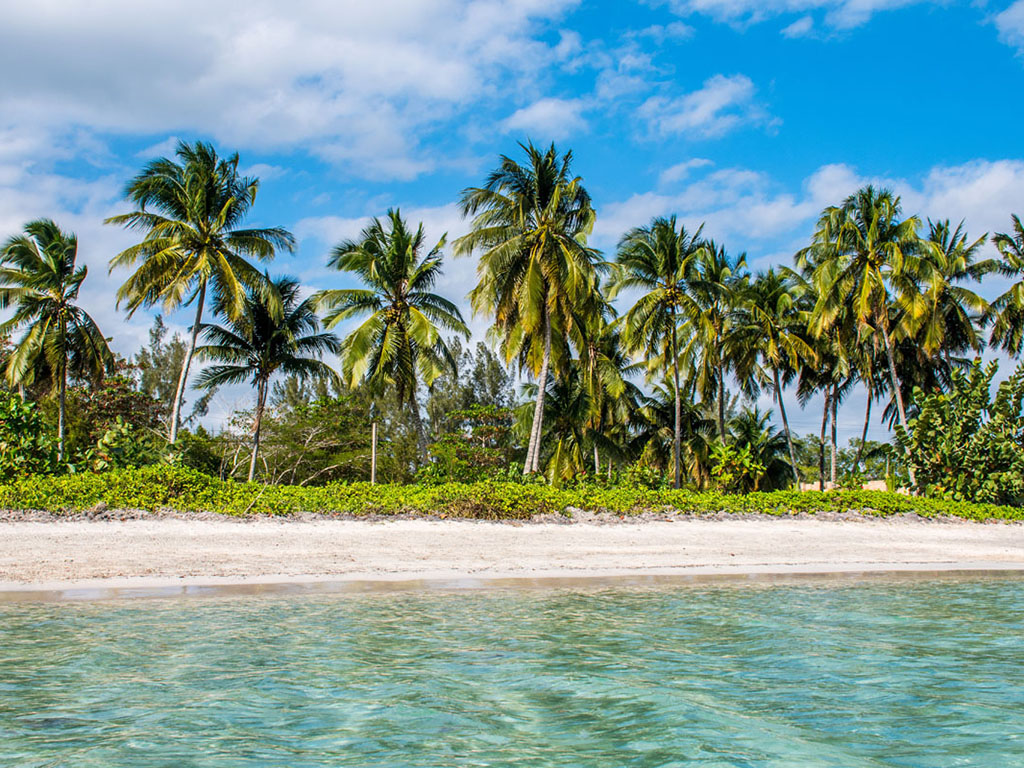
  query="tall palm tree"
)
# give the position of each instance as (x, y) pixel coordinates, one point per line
(659, 260)
(1007, 311)
(867, 257)
(399, 344)
(952, 313)
(770, 341)
(38, 275)
(282, 335)
(538, 278)
(714, 287)
(191, 211)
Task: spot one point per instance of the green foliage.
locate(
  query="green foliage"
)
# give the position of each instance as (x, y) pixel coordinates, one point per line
(966, 446)
(479, 447)
(26, 447)
(159, 487)
(123, 445)
(734, 468)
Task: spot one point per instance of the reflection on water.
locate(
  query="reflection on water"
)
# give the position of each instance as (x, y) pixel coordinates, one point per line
(922, 674)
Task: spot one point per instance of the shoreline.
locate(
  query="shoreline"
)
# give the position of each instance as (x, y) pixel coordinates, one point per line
(150, 588)
(85, 559)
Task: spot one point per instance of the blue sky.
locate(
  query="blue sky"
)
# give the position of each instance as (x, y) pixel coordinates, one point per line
(748, 115)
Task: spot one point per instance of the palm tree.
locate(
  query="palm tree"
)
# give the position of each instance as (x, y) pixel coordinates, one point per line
(752, 431)
(770, 341)
(659, 259)
(538, 278)
(950, 322)
(39, 276)
(399, 344)
(1007, 312)
(191, 211)
(655, 438)
(713, 289)
(865, 256)
(261, 342)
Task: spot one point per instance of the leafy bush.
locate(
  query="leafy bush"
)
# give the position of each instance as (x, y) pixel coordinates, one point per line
(26, 447)
(966, 446)
(156, 487)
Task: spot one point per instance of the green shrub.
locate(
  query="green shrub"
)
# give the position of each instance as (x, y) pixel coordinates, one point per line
(26, 447)
(966, 446)
(162, 486)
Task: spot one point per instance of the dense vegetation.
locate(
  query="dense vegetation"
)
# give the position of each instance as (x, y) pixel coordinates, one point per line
(618, 409)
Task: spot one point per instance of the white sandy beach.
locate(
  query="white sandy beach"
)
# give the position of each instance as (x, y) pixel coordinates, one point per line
(162, 552)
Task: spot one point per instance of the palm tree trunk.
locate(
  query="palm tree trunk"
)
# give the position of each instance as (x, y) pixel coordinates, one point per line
(421, 436)
(597, 462)
(533, 453)
(864, 433)
(894, 380)
(721, 404)
(835, 410)
(785, 426)
(677, 448)
(61, 406)
(821, 441)
(179, 395)
(261, 398)
(373, 453)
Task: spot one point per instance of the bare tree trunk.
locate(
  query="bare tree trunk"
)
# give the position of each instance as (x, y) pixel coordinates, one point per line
(597, 462)
(898, 394)
(421, 437)
(721, 404)
(835, 410)
(677, 448)
(261, 398)
(533, 453)
(186, 363)
(373, 453)
(864, 433)
(821, 442)
(61, 406)
(785, 426)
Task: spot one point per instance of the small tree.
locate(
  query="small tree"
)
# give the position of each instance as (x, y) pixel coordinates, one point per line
(966, 446)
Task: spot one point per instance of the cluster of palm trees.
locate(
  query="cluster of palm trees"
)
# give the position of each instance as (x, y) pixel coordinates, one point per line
(876, 299)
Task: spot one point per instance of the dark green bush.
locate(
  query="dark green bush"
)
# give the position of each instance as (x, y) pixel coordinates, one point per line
(156, 487)
(26, 445)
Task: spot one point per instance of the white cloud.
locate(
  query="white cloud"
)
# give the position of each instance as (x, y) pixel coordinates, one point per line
(357, 83)
(799, 28)
(720, 105)
(1010, 24)
(839, 14)
(680, 171)
(547, 120)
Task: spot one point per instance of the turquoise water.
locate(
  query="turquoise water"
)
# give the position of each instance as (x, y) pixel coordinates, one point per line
(926, 674)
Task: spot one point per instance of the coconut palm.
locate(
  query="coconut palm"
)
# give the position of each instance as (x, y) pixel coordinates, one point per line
(752, 431)
(770, 341)
(538, 278)
(714, 287)
(867, 259)
(282, 335)
(950, 322)
(659, 260)
(655, 433)
(399, 344)
(1007, 311)
(39, 276)
(191, 211)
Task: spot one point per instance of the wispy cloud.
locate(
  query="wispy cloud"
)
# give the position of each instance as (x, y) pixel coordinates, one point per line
(720, 105)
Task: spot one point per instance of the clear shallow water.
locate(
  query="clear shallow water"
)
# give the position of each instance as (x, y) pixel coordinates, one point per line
(927, 674)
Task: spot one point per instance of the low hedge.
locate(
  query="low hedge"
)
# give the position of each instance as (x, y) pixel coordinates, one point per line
(160, 487)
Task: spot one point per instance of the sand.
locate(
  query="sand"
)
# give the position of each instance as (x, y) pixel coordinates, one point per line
(166, 552)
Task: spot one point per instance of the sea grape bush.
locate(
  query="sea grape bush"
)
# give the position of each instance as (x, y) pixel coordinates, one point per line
(965, 445)
(162, 487)
(26, 447)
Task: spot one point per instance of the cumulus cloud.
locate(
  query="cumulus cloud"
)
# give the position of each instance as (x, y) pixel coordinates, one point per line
(547, 120)
(1010, 24)
(721, 104)
(356, 83)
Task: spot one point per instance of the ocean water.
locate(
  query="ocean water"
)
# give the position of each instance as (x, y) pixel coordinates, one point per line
(915, 673)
